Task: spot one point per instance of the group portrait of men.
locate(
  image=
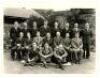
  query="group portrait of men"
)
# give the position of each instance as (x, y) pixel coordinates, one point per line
(47, 44)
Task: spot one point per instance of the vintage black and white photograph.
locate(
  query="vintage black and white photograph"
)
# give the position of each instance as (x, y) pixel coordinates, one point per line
(48, 41)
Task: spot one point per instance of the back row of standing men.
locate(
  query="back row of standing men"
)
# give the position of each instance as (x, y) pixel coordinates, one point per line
(76, 39)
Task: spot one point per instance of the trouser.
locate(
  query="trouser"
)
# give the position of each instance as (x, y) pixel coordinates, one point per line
(86, 51)
(13, 51)
(58, 62)
(20, 53)
(45, 61)
(77, 56)
(68, 58)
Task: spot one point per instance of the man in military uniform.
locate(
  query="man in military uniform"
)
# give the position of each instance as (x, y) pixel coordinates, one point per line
(77, 48)
(20, 46)
(57, 39)
(60, 56)
(67, 45)
(38, 39)
(28, 44)
(46, 53)
(48, 39)
(33, 55)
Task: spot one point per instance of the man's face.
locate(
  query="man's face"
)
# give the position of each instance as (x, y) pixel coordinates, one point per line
(67, 26)
(87, 26)
(21, 34)
(67, 35)
(56, 24)
(34, 24)
(76, 25)
(58, 34)
(16, 24)
(38, 34)
(46, 45)
(25, 25)
(45, 23)
(34, 45)
(48, 35)
(28, 35)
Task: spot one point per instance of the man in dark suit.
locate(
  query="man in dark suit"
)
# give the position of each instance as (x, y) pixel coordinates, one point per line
(34, 29)
(14, 33)
(65, 30)
(75, 30)
(55, 29)
(25, 29)
(44, 29)
(86, 41)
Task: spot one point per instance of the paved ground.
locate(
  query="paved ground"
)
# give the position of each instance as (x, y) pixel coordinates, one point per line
(15, 67)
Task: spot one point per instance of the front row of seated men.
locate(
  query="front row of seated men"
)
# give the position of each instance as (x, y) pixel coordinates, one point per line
(47, 50)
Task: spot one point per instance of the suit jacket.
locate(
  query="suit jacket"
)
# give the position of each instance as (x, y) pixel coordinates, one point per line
(14, 33)
(64, 31)
(25, 32)
(86, 37)
(53, 31)
(43, 30)
(33, 32)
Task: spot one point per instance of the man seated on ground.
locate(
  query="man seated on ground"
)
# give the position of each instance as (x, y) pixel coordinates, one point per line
(76, 48)
(46, 53)
(33, 55)
(60, 56)
(66, 44)
(20, 46)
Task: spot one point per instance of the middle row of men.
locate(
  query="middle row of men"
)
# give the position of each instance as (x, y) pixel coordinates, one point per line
(60, 49)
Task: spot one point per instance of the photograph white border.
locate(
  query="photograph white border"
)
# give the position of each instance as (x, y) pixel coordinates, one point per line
(56, 5)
